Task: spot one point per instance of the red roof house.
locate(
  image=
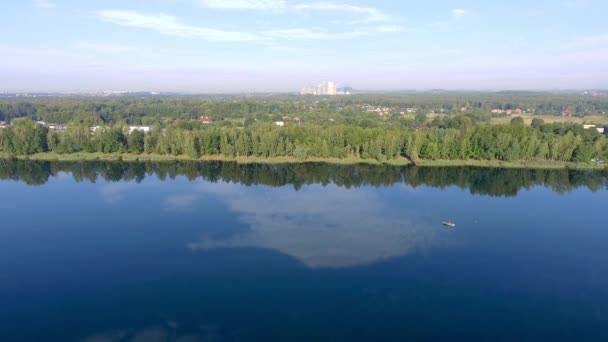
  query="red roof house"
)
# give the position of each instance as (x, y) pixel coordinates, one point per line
(205, 120)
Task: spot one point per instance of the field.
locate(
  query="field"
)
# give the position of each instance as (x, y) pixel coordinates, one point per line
(601, 120)
(595, 119)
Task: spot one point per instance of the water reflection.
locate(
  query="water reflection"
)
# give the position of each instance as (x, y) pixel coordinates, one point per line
(482, 181)
(334, 228)
(167, 332)
(115, 192)
(232, 252)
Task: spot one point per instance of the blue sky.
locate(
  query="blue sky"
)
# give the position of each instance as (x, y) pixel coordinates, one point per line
(281, 45)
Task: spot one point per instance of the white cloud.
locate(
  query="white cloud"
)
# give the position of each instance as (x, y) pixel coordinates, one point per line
(44, 4)
(459, 12)
(593, 41)
(260, 5)
(103, 48)
(577, 4)
(370, 14)
(308, 34)
(169, 25)
(387, 29)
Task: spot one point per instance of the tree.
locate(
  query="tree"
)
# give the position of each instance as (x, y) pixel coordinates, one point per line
(111, 140)
(249, 122)
(301, 152)
(421, 118)
(583, 153)
(27, 137)
(136, 141)
(53, 140)
(151, 141)
(537, 123)
(518, 120)
(76, 137)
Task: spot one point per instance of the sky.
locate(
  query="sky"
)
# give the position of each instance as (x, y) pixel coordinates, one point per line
(220, 46)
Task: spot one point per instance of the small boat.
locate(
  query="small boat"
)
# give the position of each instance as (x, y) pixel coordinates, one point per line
(449, 224)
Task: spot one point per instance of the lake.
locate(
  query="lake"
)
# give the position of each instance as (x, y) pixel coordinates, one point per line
(109, 251)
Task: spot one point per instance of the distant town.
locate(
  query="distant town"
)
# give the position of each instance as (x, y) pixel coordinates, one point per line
(328, 88)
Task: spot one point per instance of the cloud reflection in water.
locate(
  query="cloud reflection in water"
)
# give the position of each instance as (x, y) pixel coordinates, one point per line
(323, 227)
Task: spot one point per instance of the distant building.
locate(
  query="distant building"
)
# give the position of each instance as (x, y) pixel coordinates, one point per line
(328, 88)
(57, 127)
(601, 130)
(279, 123)
(378, 110)
(2, 124)
(345, 91)
(332, 89)
(205, 120)
(568, 112)
(145, 129)
(508, 111)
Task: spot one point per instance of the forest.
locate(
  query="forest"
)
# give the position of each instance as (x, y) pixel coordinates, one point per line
(310, 130)
(317, 110)
(459, 139)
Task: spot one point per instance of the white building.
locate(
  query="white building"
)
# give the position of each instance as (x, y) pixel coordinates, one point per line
(145, 129)
(57, 127)
(601, 130)
(332, 89)
(280, 123)
(328, 88)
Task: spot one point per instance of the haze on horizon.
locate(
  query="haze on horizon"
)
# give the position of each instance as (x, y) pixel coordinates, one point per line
(280, 45)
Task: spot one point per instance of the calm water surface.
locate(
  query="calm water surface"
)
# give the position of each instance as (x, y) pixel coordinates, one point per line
(221, 252)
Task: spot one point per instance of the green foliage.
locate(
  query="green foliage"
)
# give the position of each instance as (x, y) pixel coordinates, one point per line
(332, 128)
(23, 137)
(518, 120)
(421, 118)
(537, 123)
(136, 141)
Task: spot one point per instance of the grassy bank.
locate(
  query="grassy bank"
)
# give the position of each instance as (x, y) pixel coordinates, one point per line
(516, 164)
(82, 156)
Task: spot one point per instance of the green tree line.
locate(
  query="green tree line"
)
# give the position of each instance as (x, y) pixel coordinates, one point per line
(507, 142)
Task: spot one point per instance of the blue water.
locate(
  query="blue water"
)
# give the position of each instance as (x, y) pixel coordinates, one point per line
(212, 257)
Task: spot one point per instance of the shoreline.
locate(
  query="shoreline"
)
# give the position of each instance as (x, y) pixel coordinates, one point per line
(511, 165)
(128, 157)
